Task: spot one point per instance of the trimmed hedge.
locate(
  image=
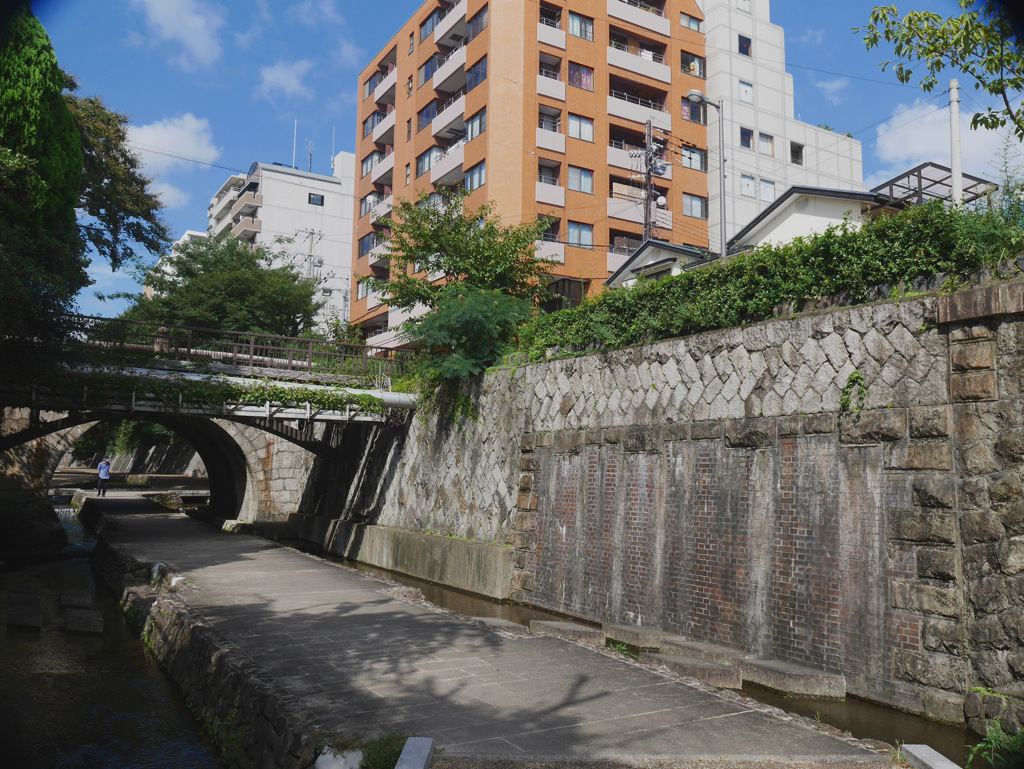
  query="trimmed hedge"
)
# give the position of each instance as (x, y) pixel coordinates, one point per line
(844, 260)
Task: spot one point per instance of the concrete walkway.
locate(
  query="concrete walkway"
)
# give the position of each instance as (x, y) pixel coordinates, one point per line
(366, 660)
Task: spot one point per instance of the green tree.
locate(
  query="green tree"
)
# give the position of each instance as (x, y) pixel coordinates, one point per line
(125, 224)
(978, 42)
(436, 242)
(225, 284)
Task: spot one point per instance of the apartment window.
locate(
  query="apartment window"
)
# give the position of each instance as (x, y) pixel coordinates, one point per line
(581, 76)
(581, 26)
(691, 22)
(372, 122)
(549, 119)
(767, 191)
(476, 74)
(796, 154)
(692, 64)
(692, 157)
(429, 67)
(746, 92)
(766, 144)
(369, 162)
(362, 289)
(367, 89)
(425, 115)
(747, 186)
(747, 138)
(695, 206)
(550, 67)
(367, 243)
(428, 25)
(695, 112)
(476, 125)
(477, 24)
(476, 176)
(426, 160)
(366, 204)
(408, 129)
(550, 16)
(408, 173)
(581, 180)
(581, 235)
(744, 45)
(408, 87)
(581, 127)
(412, 41)
(316, 200)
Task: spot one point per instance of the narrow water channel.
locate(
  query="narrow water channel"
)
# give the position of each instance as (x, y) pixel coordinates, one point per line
(77, 701)
(863, 719)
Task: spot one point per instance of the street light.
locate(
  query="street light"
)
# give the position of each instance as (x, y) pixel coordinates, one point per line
(697, 97)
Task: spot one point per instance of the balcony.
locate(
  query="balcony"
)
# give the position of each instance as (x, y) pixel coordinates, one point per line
(549, 86)
(384, 93)
(616, 259)
(384, 131)
(221, 226)
(383, 171)
(451, 74)
(450, 121)
(380, 255)
(547, 249)
(550, 194)
(222, 204)
(452, 27)
(447, 169)
(247, 228)
(374, 299)
(647, 63)
(247, 204)
(642, 14)
(550, 140)
(638, 110)
(627, 209)
(619, 157)
(382, 209)
(551, 35)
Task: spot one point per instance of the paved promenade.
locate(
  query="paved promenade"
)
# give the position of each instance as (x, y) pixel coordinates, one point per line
(365, 660)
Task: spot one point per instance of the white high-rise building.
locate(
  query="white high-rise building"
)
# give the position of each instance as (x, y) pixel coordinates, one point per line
(305, 214)
(767, 150)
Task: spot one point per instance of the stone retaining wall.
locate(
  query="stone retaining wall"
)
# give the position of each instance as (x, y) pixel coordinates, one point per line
(251, 720)
(840, 490)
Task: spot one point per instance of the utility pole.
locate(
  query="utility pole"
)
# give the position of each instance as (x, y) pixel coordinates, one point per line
(954, 139)
(648, 183)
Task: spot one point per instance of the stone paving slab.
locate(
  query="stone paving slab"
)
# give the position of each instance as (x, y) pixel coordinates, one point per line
(366, 661)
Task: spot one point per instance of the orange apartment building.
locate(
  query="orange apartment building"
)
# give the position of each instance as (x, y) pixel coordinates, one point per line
(540, 107)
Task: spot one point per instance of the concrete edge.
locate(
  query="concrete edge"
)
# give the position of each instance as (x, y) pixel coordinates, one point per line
(417, 753)
(924, 757)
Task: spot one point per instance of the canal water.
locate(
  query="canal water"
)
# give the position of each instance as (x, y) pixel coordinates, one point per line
(77, 701)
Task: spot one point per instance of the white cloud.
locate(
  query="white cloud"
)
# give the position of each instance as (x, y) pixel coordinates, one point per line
(350, 56)
(286, 78)
(920, 133)
(811, 37)
(185, 136)
(191, 25)
(313, 13)
(831, 90)
(171, 196)
(263, 18)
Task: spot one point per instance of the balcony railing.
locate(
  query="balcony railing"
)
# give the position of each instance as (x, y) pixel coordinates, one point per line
(645, 7)
(452, 99)
(550, 124)
(643, 53)
(549, 22)
(450, 53)
(551, 74)
(656, 106)
(373, 121)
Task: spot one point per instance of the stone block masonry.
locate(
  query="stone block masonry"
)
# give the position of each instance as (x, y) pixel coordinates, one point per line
(840, 490)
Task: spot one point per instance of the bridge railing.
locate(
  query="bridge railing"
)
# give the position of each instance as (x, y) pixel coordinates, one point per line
(125, 342)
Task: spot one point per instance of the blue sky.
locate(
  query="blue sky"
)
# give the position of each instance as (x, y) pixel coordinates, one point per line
(213, 86)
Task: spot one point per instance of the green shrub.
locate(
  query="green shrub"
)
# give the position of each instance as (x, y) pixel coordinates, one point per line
(845, 259)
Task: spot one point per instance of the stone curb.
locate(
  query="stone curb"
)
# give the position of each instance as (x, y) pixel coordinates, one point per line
(924, 757)
(416, 754)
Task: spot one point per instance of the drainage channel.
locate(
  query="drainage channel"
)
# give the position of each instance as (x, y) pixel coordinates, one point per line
(862, 718)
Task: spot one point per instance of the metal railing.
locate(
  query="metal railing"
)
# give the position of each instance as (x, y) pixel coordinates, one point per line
(113, 341)
(657, 106)
(452, 99)
(549, 22)
(635, 50)
(552, 74)
(645, 7)
(550, 123)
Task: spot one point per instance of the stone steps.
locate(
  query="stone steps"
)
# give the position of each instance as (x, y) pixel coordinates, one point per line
(707, 672)
(794, 679)
(570, 630)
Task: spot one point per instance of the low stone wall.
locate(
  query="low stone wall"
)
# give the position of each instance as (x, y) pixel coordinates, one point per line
(985, 710)
(252, 721)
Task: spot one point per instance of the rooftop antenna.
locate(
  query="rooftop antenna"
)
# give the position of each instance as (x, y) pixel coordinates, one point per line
(295, 138)
(309, 154)
(333, 128)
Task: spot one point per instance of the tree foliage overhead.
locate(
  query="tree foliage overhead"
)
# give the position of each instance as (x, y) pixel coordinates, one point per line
(225, 284)
(115, 194)
(979, 42)
(436, 242)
